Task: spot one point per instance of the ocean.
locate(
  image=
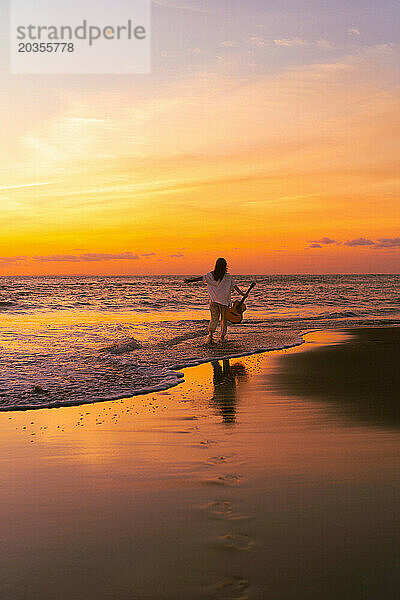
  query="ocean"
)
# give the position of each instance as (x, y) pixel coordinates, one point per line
(75, 340)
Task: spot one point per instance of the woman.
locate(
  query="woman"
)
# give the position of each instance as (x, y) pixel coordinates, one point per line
(220, 286)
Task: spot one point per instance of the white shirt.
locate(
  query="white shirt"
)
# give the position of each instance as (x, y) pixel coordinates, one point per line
(219, 291)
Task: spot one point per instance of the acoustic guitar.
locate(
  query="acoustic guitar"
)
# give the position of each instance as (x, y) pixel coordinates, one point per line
(234, 314)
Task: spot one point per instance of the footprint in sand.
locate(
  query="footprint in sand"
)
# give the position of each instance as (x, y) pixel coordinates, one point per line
(223, 509)
(234, 588)
(216, 460)
(219, 509)
(206, 444)
(235, 541)
(229, 480)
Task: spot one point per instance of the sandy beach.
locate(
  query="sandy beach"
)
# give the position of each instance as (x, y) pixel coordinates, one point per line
(269, 476)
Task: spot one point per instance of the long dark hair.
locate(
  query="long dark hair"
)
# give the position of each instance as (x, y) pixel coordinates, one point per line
(220, 269)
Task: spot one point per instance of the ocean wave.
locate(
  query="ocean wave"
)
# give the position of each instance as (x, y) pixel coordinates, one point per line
(124, 347)
(6, 303)
(81, 372)
(181, 338)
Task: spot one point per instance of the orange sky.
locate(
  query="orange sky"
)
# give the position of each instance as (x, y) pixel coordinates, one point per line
(279, 170)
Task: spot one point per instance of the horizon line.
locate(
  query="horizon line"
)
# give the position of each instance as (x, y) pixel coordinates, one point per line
(186, 274)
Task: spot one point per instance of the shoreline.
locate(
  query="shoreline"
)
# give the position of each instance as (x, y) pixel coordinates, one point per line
(175, 373)
(177, 377)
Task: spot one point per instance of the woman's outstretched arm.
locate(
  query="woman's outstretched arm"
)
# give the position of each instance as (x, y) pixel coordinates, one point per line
(192, 279)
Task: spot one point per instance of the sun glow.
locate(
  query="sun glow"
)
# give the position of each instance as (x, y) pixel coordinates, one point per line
(214, 160)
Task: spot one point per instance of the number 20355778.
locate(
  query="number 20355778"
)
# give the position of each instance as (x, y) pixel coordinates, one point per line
(46, 47)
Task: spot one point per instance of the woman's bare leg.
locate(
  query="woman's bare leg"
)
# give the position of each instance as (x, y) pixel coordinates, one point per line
(224, 323)
(215, 312)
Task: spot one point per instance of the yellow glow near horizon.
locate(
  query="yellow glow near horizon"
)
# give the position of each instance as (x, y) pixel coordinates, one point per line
(250, 170)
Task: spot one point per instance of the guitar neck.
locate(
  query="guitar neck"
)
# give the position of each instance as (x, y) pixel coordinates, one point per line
(246, 294)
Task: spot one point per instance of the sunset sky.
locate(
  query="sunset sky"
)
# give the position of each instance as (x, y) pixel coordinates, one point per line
(268, 132)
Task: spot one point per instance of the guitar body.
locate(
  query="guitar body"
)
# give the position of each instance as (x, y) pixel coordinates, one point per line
(234, 314)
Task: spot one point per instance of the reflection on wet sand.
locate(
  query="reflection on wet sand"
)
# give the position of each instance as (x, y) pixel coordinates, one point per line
(357, 379)
(226, 378)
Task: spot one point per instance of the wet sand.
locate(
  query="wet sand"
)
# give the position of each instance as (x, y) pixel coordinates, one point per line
(271, 476)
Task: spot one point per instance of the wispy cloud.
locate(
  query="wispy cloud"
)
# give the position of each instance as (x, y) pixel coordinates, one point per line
(381, 243)
(87, 257)
(11, 259)
(298, 42)
(325, 44)
(22, 186)
(354, 31)
(257, 40)
(324, 240)
(387, 243)
(176, 255)
(181, 5)
(359, 242)
(290, 42)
